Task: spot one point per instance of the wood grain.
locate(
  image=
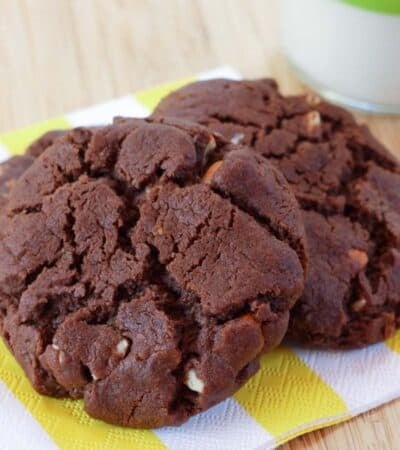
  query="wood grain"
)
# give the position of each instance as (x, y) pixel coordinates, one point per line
(59, 55)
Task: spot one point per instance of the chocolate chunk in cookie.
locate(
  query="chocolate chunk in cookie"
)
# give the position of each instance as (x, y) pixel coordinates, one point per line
(348, 185)
(138, 273)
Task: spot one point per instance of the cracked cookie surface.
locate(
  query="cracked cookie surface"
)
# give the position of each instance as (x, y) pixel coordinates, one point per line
(137, 273)
(348, 186)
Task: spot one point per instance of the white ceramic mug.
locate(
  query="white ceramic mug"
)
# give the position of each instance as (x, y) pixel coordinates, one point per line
(348, 50)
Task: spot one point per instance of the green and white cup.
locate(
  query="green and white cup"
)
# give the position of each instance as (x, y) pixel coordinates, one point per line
(347, 50)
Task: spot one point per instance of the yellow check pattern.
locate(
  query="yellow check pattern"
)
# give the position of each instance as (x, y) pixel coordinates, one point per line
(292, 394)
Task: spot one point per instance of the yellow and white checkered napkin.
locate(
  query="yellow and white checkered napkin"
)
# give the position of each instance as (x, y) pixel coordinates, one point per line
(295, 391)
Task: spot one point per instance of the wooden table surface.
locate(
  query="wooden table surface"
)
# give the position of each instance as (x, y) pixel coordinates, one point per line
(59, 55)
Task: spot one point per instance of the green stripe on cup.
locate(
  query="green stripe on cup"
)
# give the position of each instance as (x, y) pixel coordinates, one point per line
(381, 6)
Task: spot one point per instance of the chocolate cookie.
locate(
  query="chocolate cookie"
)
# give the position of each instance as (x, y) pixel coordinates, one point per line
(348, 185)
(137, 273)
